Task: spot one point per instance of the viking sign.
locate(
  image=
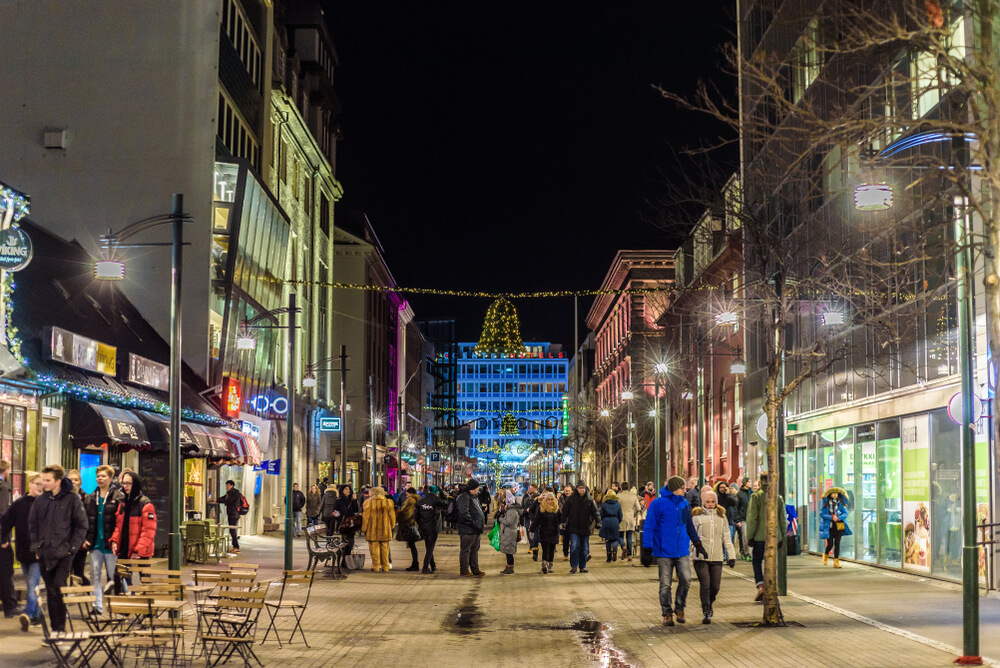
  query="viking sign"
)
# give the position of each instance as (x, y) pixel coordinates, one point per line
(15, 245)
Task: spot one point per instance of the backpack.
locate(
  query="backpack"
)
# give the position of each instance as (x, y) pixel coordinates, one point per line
(243, 507)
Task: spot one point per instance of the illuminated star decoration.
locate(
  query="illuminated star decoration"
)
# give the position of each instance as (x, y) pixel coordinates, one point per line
(501, 331)
(508, 425)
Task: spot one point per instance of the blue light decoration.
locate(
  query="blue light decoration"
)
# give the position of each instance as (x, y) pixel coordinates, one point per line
(14, 205)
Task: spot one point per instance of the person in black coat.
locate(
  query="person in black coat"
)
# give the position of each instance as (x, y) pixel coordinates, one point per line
(57, 525)
(545, 524)
(298, 503)
(7, 597)
(579, 514)
(345, 506)
(16, 518)
(231, 500)
(428, 516)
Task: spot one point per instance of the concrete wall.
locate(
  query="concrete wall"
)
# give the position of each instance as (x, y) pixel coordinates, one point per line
(133, 83)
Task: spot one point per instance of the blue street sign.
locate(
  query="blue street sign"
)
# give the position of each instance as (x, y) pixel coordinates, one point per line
(329, 424)
(435, 456)
(273, 466)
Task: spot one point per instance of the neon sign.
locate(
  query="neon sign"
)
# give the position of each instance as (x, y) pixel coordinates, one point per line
(273, 405)
(230, 397)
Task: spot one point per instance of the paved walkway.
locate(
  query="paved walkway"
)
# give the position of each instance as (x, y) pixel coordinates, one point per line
(608, 617)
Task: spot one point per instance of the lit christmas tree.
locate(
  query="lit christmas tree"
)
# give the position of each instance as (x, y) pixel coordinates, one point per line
(508, 425)
(501, 331)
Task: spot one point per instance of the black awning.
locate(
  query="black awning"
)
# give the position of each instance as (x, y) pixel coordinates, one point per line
(158, 429)
(212, 442)
(99, 426)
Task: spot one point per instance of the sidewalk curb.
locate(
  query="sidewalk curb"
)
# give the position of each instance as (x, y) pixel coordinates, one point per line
(895, 630)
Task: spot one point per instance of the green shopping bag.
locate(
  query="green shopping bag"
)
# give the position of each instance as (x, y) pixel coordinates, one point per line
(495, 536)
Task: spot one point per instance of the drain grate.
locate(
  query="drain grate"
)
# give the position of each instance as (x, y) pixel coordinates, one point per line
(758, 625)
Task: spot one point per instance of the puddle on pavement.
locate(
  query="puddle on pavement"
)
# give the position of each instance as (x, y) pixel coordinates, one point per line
(467, 618)
(595, 637)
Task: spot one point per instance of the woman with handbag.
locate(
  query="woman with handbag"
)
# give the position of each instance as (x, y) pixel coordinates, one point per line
(833, 522)
(407, 531)
(509, 518)
(347, 513)
(546, 525)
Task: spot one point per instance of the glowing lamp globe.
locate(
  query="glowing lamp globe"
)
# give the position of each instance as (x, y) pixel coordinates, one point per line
(738, 367)
(873, 197)
(245, 342)
(109, 270)
(309, 380)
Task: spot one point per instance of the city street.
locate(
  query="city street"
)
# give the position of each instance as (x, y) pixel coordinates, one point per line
(608, 617)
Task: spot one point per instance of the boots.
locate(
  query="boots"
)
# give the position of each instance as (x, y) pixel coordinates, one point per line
(611, 552)
(826, 557)
(507, 571)
(836, 563)
(413, 567)
(707, 612)
(760, 593)
(614, 555)
(545, 567)
(626, 555)
(668, 619)
(534, 554)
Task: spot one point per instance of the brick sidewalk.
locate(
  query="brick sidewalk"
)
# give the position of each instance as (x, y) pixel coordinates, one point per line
(610, 614)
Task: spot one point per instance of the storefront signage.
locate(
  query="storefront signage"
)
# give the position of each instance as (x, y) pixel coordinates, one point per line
(148, 373)
(231, 397)
(329, 424)
(915, 437)
(269, 466)
(250, 429)
(15, 249)
(81, 352)
(955, 408)
(272, 407)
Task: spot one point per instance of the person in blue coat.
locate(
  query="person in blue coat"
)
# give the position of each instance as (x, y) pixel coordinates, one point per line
(834, 506)
(668, 536)
(611, 518)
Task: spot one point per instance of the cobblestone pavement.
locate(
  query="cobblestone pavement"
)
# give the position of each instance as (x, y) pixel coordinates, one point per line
(607, 617)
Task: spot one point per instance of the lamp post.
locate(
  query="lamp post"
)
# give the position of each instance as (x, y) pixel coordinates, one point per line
(247, 342)
(660, 369)
(627, 397)
(111, 269)
(611, 447)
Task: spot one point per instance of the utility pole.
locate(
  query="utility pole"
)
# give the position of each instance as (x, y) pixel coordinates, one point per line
(290, 429)
(371, 422)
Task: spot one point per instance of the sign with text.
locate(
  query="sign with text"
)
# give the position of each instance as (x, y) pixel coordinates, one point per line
(79, 351)
(15, 249)
(329, 424)
(270, 466)
(435, 456)
(231, 397)
(148, 373)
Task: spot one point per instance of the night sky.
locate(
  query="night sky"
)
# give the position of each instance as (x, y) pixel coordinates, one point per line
(513, 147)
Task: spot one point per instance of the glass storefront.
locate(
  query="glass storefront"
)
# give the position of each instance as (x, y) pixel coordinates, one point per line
(902, 478)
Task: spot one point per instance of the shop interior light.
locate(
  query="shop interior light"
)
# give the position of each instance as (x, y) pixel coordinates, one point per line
(109, 270)
(832, 318)
(873, 197)
(245, 342)
(727, 318)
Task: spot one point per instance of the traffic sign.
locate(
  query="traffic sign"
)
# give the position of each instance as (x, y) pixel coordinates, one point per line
(329, 424)
(435, 456)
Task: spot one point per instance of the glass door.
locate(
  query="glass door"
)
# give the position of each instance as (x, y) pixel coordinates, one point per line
(812, 528)
(865, 509)
(889, 493)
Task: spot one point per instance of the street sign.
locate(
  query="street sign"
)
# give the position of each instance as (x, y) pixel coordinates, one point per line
(435, 456)
(329, 424)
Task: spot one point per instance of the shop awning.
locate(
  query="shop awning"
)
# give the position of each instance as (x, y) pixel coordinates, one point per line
(245, 447)
(158, 430)
(212, 442)
(99, 426)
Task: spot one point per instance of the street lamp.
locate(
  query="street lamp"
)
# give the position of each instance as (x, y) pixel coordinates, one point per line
(660, 370)
(627, 397)
(611, 445)
(250, 343)
(738, 367)
(109, 269)
(873, 197)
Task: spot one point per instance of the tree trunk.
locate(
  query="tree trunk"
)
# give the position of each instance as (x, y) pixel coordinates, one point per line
(772, 608)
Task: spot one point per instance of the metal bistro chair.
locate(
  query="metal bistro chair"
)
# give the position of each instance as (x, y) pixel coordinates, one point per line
(65, 644)
(196, 542)
(234, 629)
(139, 632)
(294, 604)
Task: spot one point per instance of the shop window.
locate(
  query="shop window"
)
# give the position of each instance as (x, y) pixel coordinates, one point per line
(946, 496)
(889, 486)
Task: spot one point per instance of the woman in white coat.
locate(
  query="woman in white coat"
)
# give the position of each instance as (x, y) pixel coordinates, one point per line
(712, 526)
(631, 507)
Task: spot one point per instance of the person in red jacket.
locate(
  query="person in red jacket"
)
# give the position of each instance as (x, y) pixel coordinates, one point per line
(135, 524)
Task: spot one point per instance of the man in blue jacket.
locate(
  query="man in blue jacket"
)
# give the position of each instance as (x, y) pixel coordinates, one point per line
(668, 536)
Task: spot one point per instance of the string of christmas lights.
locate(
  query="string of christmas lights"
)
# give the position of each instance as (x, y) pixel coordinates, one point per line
(508, 426)
(539, 294)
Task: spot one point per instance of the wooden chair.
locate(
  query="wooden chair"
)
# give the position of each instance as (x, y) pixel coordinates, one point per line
(196, 542)
(139, 631)
(132, 569)
(291, 599)
(234, 629)
(87, 643)
(240, 567)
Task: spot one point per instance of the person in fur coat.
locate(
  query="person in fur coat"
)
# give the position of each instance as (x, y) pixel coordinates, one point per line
(713, 528)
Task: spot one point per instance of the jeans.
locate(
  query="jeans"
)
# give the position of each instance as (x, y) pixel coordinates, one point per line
(55, 580)
(297, 522)
(548, 551)
(312, 521)
(102, 562)
(742, 545)
(468, 556)
(430, 540)
(579, 548)
(758, 562)
(628, 541)
(414, 559)
(666, 566)
(32, 575)
(709, 582)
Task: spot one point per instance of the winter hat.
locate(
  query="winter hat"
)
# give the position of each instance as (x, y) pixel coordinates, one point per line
(675, 483)
(472, 484)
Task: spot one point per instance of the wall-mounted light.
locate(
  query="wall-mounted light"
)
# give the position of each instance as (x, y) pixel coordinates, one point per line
(109, 270)
(244, 341)
(727, 318)
(662, 367)
(832, 318)
(627, 395)
(873, 197)
(739, 366)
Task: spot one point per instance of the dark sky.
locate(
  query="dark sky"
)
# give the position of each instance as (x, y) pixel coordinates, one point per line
(511, 147)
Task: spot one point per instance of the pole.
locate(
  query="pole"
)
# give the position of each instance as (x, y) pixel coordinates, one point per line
(970, 552)
(371, 421)
(701, 417)
(343, 415)
(656, 434)
(290, 430)
(611, 451)
(779, 475)
(175, 466)
(399, 440)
